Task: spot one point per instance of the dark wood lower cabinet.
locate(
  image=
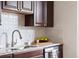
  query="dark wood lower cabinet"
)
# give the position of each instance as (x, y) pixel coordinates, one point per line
(6, 56)
(32, 54)
(60, 51)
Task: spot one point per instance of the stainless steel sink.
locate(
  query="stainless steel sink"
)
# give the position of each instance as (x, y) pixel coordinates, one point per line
(29, 46)
(15, 49)
(25, 47)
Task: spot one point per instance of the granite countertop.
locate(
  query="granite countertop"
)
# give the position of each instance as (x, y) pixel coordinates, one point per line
(38, 46)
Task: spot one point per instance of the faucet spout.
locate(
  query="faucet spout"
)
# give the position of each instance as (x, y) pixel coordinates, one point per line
(12, 44)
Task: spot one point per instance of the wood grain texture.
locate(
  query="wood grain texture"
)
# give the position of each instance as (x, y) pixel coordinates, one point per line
(29, 54)
(6, 56)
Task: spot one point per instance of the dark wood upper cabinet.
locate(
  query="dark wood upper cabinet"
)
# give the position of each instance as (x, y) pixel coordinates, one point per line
(43, 14)
(38, 13)
(50, 14)
(20, 6)
(35, 19)
(27, 6)
(10, 5)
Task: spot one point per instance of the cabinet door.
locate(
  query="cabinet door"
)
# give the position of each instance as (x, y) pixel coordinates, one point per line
(38, 13)
(27, 6)
(31, 54)
(61, 51)
(50, 13)
(10, 5)
(43, 14)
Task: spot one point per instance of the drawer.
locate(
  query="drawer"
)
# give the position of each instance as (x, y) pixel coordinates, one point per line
(29, 54)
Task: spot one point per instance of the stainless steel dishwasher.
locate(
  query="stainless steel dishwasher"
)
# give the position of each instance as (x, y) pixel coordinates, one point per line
(51, 52)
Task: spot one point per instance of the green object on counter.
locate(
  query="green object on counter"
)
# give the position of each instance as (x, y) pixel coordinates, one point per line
(42, 38)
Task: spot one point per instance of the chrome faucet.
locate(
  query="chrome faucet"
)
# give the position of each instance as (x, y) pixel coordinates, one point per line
(12, 44)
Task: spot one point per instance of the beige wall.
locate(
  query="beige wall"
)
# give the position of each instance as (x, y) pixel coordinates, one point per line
(77, 29)
(65, 26)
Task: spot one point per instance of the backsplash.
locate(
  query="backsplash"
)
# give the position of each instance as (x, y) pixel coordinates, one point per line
(10, 22)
